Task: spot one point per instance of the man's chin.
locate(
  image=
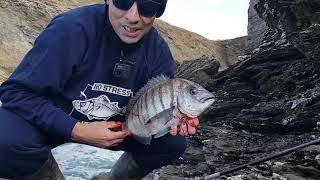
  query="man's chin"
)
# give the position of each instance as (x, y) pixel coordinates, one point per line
(130, 40)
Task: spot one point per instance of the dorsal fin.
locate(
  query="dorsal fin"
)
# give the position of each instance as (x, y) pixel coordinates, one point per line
(151, 83)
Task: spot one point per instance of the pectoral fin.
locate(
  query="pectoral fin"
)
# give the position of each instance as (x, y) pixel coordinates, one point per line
(162, 133)
(159, 122)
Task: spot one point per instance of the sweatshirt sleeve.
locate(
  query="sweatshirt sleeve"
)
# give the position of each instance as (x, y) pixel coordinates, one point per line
(43, 73)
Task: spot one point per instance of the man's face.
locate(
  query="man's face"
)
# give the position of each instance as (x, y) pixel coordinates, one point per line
(129, 25)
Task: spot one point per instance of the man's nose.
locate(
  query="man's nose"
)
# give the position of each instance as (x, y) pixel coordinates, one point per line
(133, 14)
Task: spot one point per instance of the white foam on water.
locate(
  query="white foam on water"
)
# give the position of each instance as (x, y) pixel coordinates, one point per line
(81, 162)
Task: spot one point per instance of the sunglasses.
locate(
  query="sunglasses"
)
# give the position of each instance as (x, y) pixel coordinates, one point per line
(147, 8)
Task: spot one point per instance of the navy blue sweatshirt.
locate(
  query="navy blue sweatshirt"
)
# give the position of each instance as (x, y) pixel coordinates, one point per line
(68, 75)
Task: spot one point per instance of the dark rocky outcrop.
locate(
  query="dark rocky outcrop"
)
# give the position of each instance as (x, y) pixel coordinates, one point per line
(256, 27)
(199, 70)
(230, 50)
(285, 17)
(276, 88)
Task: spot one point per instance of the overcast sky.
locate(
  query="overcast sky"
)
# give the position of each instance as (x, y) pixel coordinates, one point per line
(213, 19)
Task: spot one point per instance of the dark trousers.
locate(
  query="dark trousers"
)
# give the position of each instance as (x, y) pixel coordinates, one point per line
(24, 148)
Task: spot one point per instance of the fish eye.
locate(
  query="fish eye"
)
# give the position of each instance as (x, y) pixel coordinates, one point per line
(193, 91)
(82, 104)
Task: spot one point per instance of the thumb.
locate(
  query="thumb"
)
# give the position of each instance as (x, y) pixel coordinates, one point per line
(112, 124)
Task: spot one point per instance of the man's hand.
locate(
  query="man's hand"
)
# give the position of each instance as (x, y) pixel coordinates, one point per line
(186, 127)
(98, 133)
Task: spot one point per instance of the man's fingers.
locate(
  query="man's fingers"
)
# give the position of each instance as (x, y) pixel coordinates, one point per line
(191, 130)
(120, 134)
(174, 130)
(116, 142)
(196, 121)
(113, 143)
(193, 122)
(112, 124)
(183, 129)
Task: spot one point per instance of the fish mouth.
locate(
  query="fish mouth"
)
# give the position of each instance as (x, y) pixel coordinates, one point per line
(206, 99)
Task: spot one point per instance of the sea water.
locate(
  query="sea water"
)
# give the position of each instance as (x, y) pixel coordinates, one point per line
(81, 162)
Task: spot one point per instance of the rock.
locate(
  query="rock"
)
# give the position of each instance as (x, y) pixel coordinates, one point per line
(50, 170)
(307, 41)
(256, 27)
(285, 17)
(20, 23)
(230, 50)
(101, 176)
(276, 88)
(199, 70)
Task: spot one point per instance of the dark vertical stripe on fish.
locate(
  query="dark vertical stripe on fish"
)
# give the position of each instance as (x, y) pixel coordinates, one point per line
(146, 106)
(171, 92)
(161, 97)
(181, 85)
(140, 113)
(153, 100)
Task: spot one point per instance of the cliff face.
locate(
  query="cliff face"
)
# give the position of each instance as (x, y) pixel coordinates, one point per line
(286, 17)
(272, 21)
(256, 27)
(230, 50)
(20, 23)
(186, 45)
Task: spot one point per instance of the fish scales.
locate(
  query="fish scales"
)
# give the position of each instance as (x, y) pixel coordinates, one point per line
(159, 102)
(141, 110)
(148, 101)
(145, 107)
(172, 92)
(157, 99)
(163, 99)
(160, 98)
(166, 96)
(159, 92)
(164, 93)
(153, 99)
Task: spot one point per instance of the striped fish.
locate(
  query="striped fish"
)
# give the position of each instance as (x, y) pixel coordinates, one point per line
(161, 103)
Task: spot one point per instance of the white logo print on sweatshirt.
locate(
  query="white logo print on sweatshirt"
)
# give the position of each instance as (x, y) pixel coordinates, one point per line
(100, 107)
(97, 108)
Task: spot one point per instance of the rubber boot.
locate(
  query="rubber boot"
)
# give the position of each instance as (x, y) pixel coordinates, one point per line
(124, 169)
(49, 171)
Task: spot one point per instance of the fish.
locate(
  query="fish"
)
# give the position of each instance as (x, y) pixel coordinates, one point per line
(163, 102)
